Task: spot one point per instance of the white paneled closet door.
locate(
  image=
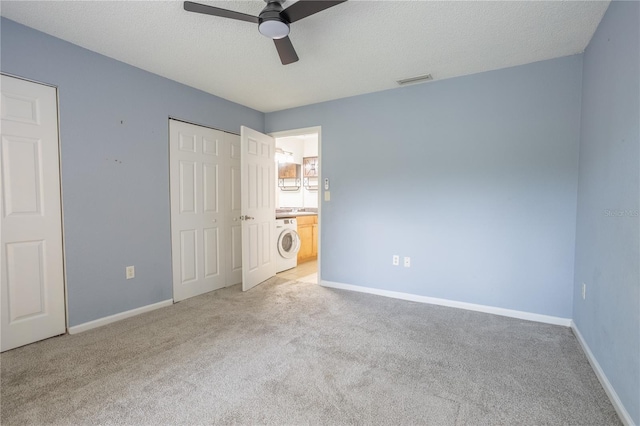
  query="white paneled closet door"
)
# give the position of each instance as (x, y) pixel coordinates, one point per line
(33, 301)
(197, 219)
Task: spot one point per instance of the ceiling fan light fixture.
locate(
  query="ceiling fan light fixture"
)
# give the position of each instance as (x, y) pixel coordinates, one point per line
(273, 21)
(273, 28)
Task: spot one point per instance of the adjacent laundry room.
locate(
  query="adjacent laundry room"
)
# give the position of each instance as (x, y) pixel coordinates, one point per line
(297, 206)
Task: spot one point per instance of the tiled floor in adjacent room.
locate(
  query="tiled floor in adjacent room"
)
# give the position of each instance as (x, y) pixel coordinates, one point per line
(303, 270)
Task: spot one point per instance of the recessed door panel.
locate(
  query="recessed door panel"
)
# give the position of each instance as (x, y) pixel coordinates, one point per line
(187, 142)
(26, 274)
(189, 255)
(211, 188)
(252, 147)
(265, 184)
(22, 109)
(265, 230)
(265, 150)
(210, 146)
(253, 260)
(211, 252)
(236, 248)
(235, 151)
(21, 176)
(188, 187)
(235, 188)
(253, 191)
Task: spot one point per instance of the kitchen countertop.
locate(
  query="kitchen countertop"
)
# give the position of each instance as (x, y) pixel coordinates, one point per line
(296, 214)
(282, 215)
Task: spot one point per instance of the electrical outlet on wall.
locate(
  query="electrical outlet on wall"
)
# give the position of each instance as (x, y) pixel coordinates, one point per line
(130, 272)
(396, 260)
(407, 262)
(584, 291)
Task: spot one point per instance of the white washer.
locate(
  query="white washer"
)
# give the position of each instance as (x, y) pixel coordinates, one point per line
(288, 244)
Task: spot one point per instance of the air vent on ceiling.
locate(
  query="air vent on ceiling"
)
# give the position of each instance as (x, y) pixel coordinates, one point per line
(417, 79)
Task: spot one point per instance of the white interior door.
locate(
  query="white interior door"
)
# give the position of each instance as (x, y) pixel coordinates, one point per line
(197, 229)
(32, 271)
(233, 208)
(258, 207)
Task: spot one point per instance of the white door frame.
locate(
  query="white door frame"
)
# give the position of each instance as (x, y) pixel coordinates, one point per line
(62, 225)
(307, 131)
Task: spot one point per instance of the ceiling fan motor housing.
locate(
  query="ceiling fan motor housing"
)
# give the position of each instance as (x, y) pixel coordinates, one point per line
(271, 23)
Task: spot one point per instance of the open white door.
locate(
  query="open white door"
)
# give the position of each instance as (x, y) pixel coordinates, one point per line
(32, 272)
(258, 207)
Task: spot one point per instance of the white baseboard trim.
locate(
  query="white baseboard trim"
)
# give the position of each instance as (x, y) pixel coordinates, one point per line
(117, 317)
(452, 304)
(611, 393)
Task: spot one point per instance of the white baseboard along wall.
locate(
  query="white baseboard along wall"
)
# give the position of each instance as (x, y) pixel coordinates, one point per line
(117, 317)
(452, 304)
(611, 393)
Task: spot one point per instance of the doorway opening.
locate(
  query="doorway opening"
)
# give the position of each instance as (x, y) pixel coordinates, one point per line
(298, 206)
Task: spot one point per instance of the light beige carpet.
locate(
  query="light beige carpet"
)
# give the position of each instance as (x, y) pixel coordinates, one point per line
(293, 353)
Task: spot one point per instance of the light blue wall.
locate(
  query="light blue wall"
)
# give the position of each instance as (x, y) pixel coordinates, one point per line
(608, 231)
(115, 166)
(474, 178)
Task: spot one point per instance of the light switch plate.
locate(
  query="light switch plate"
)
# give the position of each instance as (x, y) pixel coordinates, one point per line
(327, 196)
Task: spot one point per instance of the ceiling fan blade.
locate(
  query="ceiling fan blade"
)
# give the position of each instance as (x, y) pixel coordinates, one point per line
(216, 11)
(303, 8)
(286, 51)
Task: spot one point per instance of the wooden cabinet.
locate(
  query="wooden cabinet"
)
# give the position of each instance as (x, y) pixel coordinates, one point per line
(308, 232)
(288, 171)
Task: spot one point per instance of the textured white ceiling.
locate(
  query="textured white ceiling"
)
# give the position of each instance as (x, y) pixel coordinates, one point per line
(353, 48)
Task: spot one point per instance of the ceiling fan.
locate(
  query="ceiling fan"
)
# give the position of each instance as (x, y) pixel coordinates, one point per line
(273, 21)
